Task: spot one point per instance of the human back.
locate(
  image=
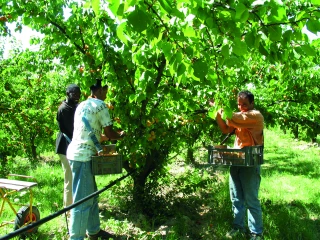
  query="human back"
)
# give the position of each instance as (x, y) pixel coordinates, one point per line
(96, 112)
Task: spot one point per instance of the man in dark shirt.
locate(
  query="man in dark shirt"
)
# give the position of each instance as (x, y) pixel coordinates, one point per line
(65, 117)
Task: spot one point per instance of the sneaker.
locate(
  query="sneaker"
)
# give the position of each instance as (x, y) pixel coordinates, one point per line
(254, 236)
(100, 235)
(234, 233)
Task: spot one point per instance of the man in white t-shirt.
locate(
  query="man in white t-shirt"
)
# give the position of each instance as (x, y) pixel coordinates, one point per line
(85, 217)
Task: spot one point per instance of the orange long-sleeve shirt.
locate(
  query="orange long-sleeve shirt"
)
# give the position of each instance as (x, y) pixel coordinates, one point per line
(249, 128)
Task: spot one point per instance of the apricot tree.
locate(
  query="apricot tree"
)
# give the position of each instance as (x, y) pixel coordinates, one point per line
(164, 59)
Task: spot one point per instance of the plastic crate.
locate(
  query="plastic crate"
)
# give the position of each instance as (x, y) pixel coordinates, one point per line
(109, 164)
(247, 156)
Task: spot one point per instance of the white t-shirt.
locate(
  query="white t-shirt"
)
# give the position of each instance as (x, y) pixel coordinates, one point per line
(96, 112)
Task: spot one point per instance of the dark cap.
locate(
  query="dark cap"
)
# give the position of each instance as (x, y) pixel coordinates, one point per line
(72, 87)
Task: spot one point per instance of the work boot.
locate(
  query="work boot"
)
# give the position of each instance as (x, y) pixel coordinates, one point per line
(100, 235)
(235, 233)
(254, 236)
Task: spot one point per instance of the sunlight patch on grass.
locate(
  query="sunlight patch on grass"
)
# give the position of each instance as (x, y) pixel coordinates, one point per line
(289, 188)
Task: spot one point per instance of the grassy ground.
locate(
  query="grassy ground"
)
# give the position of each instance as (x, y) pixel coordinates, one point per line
(193, 202)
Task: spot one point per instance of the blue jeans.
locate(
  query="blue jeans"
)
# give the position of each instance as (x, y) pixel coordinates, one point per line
(244, 183)
(84, 217)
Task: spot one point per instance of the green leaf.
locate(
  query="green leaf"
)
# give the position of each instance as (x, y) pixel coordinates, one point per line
(315, 2)
(213, 112)
(181, 69)
(286, 37)
(225, 51)
(96, 6)
(232, 61)
(210, 22)
(120, 32)
(240, 8)
(242, 13)
(189, 51)
(141, 97)
(226, 81)
(278, 14)
(227, 112)
(203, 14)
(189, 32)
(239, 47)
(225, 15)
(244, 16)
(120, 10)
(87, 4)
(296, 54)
(250, 39)
(179, 56)
(177, 13)
(275, 33)
(262, 50)
(139, 20)
(166, 49)
(308, 50)
(132, 98)
(257, 40)
(26, 20)
(313, 26)
(200, 69)
(212, 75)
(165, 5)
(301, 15)
(113, 6)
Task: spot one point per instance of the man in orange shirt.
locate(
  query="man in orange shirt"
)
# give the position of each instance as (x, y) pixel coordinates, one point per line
(244, 182)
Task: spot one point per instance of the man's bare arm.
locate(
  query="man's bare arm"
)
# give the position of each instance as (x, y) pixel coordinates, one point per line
(222, 124)
(112, 134)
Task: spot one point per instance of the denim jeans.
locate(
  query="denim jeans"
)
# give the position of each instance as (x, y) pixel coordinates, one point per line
(84, 217)
(244, 183)
(67, 186)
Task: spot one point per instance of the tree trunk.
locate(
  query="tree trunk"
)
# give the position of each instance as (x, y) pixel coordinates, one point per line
(190, 156)
(154, 162)
(4, 163)
(34, 156)
(295, 131)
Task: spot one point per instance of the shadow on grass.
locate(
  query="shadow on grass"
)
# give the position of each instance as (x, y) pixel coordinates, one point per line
(307, 168)
(188, 214)
(286, 220)
(291, 164)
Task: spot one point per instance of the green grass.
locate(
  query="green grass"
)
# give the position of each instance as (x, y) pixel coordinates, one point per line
(193, 202)
(47, 196)
(290, 188)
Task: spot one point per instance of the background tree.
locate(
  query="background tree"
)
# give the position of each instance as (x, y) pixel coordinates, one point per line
(31, 90)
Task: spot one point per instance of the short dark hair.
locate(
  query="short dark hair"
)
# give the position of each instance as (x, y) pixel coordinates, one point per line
(72, 87)
(246, 94)
(97, 85)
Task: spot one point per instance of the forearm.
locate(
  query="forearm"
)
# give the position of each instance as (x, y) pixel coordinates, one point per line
(222, 124)
(115, 136)
(111, 134)
(104, 138)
